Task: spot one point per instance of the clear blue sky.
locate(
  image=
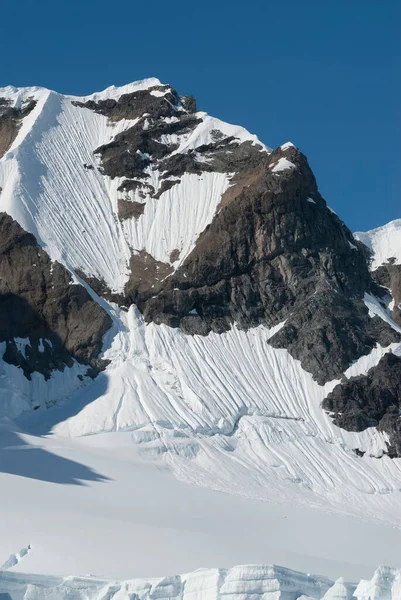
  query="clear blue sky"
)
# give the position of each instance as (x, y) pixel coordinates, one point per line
(324, 74)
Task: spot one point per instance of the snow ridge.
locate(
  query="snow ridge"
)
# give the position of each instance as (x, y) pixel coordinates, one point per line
(384, 243)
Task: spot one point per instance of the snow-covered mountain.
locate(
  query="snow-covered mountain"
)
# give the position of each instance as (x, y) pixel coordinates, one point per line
(166, 275)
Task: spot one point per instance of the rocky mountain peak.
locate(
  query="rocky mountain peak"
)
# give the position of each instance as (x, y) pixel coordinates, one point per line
(193, 220)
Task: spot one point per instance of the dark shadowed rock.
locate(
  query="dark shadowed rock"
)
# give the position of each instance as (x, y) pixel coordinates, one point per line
(134, 105)
(129, 209)
(39, 302)
(389, 276)
(146, 277)
(372, 400)
(10, 122)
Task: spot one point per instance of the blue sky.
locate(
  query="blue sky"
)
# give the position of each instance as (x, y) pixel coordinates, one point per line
(324, 74)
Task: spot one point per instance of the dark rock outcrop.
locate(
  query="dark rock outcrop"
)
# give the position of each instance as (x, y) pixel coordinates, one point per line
(328, 331)
(157, 101)
(10, 122)
(40, 304)
(371, 400)
(147, 274)
(129, 209)
(389, 276)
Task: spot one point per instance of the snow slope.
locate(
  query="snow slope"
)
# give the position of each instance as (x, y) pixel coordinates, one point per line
(232, 413)
(95, 505)
(384, 242)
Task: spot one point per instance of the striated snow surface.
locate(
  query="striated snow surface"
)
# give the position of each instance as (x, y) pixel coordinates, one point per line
(384, 242)
(232, 413)
(72, 211)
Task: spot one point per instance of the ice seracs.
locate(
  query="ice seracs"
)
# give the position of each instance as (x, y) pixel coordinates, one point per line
(256, 581)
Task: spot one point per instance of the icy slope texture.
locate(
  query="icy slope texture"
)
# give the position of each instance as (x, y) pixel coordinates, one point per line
(258, 582)
(231, 412)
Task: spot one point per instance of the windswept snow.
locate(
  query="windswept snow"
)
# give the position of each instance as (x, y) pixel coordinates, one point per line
(287, 145)
(115, 92)
(376, 308)
(384, 242)
(174, 220)
(282, 165)
(203, 134)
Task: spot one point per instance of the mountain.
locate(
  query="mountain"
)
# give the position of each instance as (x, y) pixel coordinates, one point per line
(166, 274)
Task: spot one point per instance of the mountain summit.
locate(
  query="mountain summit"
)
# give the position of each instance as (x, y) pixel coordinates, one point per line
(165, 273)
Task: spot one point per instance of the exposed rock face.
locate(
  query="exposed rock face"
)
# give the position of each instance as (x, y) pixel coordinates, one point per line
(328, 331)
(389, 276)
(274, 252)
(155, 102)
(128, 209)
(147, 274)
(372, 400)
(39, 304)
(10, 122)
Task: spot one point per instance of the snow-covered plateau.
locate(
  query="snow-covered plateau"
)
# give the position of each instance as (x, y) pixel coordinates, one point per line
(187, 453)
